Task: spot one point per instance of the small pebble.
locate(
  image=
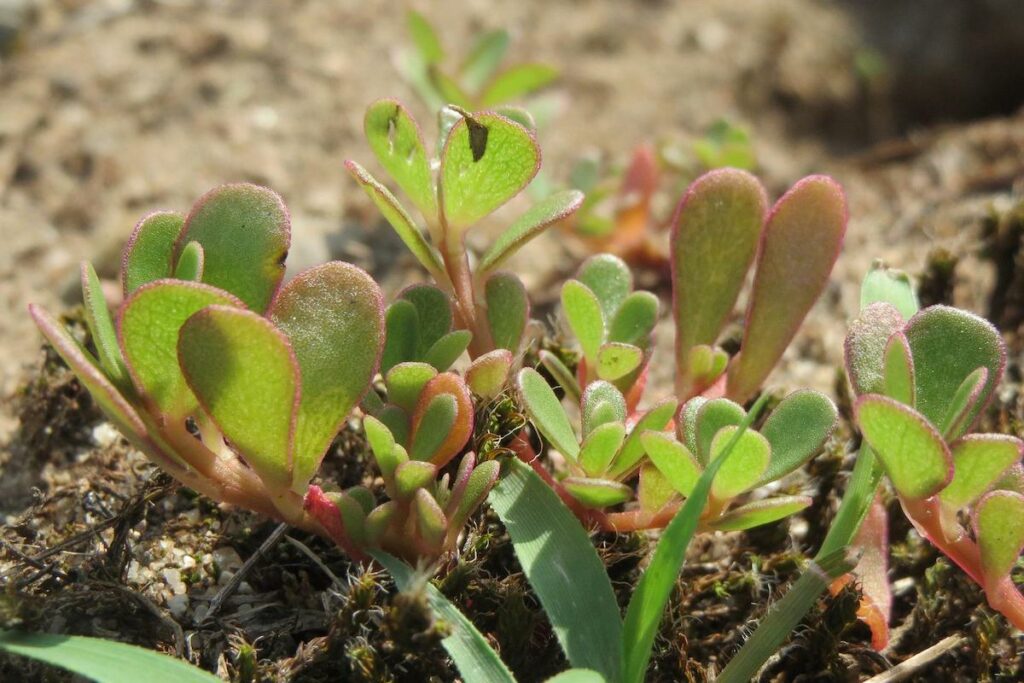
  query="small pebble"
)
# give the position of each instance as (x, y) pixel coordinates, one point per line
(178, 605)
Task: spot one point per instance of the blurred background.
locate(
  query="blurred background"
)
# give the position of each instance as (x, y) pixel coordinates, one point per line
(110, 109)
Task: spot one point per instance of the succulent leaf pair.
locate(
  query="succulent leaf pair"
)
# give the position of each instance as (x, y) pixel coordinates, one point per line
(232, 383)
(922, 384)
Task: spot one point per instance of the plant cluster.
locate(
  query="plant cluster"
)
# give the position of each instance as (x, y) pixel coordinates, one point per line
(237, 385)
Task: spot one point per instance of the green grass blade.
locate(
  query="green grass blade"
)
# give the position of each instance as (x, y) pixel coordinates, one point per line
(475, 659)
(564, 569)
(647, 605)
(785, 615)
(101, 660)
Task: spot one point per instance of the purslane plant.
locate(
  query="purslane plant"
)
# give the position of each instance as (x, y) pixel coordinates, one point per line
(608, 453)
(485, 159)
(922, 384)
(721, 227)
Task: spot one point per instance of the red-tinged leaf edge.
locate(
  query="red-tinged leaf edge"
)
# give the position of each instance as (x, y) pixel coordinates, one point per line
(741, 382)
(328, 516)
(133, 239)
(462, 430)
(875, 608)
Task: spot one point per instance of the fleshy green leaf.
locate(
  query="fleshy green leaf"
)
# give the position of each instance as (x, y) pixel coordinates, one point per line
(378, 521)
(602, 403)
(149, 252)
(600, 447)
(434, 310)
(478, 485)
(546, 412)
(801, 242)
(333, 317)
(483, 59)
(961, 405)
(518, 81)
(413, 475)
(654, 490)
(430, 520)
(398, 145)
(914, 455)
(747, 463)
(634, 320)
(399, 219)
(486, 161)
(532, 223)
(401, 335)
(488, 374)
(714, 238)
(435, 423)
(597, 493)
(405, 383)
(673, 459)
(245, 231)
(448, 348)
(979, 460)
(353, 517)
(686, 425)
(615, 360)
(865, 346)
(244, 373)
(190, 263)
(711, 418)
(508, 310)
(999, 526)
(388, 454)
(796, 430)
(655, 419)
(891, 286)
(898, 382)
(462, 426)
(577, 676)
(103, 660)
(148, 332)
(562, 566)
(101, 327)
(425, 37)
(609, 278)
(397, 421)
(761, 512)
(582, 311)
(948, 345)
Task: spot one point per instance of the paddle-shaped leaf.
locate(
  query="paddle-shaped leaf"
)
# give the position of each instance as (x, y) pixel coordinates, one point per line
(597, 493)
(891, 286)
(800, 244)
(245, 231)
(101, 327)
(655, 420)
(601, 403)
(898, 382)
(750, 456)
(398, 218)
(934, 334)
(546, 412)
(333, 317)
(714, 237)
(516, 82)
(487, 160)
(654, 490)
(462, 427)
(508, 310)
(191, 262)
(796, 430)
(148, 331)
(487, 374)
(401, 322)
(405, 383)
(148, 255)
(600, 447)
(634, 320)
(865, 347)
(609, 278)
(413, 475)
(583, 312)
(761, 512)
(395, 139)
(979, 460)
(673, 459)
(436, 421)
(712, 417)
(913, 452)
(542, 215)
(244, 373)
(1000, 530)
(615, 360)
(446, 350)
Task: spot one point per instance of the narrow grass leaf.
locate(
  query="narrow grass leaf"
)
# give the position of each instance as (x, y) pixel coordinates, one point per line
(563, 568)
(647, 606)
(476, 660)
(103, 660)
